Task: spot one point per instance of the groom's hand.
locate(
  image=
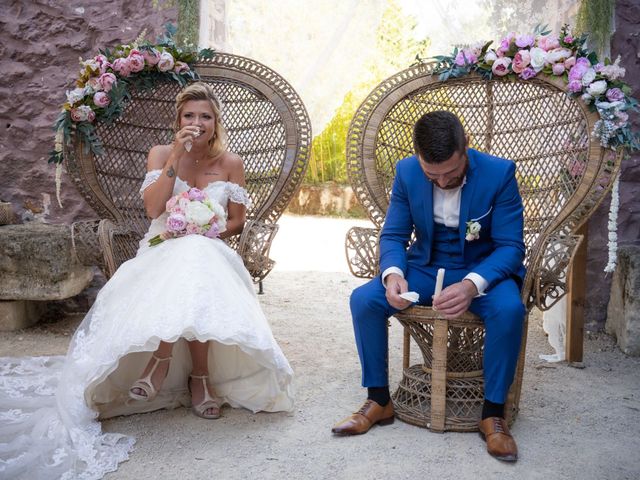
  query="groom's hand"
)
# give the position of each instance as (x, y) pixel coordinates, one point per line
(396, 285)
(454, 300)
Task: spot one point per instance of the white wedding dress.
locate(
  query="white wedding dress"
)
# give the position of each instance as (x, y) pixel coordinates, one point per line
(193, 288)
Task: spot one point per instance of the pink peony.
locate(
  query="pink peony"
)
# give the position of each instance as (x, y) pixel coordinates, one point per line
(579, 69)
(466, 57)
(101, 99)
(152, 57)
(505, 43)
(501, 66)
(615, 95)
(122, 66)
(574, 86)
(558, 68)
(107, 80)
(523, 41)
(102, 62)
(548, 42)
(83, 113)
(528, 73)
(521, 61)
(136, 61)
(171, 203)
(193, 229)
(196, 194)
(176, 222)
(166, 62)
(569, 62)
(181, 67)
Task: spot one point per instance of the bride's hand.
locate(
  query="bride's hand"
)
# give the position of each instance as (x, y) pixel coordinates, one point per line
(186, 135)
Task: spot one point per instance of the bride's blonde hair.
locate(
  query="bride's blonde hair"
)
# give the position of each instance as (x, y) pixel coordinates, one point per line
(203, 91)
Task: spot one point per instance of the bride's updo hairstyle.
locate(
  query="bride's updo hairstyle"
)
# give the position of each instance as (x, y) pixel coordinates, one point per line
(203, 91)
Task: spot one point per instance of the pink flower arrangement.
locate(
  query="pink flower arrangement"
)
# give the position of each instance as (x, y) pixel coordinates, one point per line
(192, 213)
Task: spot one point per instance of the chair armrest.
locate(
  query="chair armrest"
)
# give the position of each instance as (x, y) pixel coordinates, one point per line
(362, 251)
(254, 246)
(550, 280)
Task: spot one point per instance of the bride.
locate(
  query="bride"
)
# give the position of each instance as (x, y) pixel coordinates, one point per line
(179, 324)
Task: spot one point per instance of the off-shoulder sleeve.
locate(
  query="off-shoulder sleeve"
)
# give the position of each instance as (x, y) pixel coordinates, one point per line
(152, 176)
(238, 194)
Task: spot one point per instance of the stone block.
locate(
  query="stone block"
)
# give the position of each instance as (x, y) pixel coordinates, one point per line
(37, 263)
(623, 312)
(17, 314)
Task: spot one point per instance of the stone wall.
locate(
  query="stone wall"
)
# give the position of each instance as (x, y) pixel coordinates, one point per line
(40, 43)
(626, 43)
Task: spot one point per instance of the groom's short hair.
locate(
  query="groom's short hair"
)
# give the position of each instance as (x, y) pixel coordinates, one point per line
(438, 135)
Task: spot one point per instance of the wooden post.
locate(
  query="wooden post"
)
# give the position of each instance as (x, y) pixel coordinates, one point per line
(575, 303)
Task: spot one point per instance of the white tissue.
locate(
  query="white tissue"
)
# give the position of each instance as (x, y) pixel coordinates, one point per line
(410, 296)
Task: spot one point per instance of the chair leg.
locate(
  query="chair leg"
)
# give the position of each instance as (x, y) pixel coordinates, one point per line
(260, 289)
(406, 349)
(439, 376)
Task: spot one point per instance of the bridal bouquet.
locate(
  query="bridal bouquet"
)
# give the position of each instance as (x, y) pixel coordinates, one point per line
(192, 212)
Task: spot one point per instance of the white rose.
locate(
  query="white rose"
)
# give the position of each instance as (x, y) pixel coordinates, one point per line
(76, 95)
(490, 57)
(586, 98)
(198, 213)
(588, 77)
(597, 88)
(474, 228)
(221, 216)
(558, 54)
(166, 62)
(538, 58)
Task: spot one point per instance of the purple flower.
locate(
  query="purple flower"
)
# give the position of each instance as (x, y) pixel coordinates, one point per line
(176, 222)
(575, 86)
(579, 69)
(213, 232)
(615, 95)
(197, 195)
(558, 68)
(466, 57)
(528, 73)
(523, 41)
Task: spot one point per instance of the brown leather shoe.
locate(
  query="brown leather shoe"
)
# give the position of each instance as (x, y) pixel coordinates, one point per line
(370, 413)
(500, 443)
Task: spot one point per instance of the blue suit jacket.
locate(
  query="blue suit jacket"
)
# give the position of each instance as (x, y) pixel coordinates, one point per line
(490, 196)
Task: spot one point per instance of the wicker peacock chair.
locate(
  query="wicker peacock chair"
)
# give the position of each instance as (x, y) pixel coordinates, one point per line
(563, 175)
(268, 127)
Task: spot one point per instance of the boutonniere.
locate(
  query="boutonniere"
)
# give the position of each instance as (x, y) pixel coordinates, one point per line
(473, 231)
(473, 227)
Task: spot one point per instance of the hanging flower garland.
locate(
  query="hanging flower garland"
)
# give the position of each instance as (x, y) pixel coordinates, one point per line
(103, 89)
(564, 56)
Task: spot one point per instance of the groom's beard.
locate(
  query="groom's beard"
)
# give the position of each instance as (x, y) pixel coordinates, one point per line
(455, 182)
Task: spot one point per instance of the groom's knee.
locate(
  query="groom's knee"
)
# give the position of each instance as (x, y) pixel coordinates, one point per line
(367, 298)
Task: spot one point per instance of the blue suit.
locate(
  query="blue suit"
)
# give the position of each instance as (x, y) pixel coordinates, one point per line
(490, 196)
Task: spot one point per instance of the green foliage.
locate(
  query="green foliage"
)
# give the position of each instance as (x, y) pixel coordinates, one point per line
(188, 23)
(595, 19)
(395, 47)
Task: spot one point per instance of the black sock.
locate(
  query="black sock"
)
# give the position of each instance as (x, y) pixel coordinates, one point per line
(380, 395)
(490, 409)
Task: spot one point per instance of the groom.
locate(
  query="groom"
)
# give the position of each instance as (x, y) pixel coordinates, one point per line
(466, 211)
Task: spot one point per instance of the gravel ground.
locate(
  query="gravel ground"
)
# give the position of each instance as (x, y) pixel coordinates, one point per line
(574, 422)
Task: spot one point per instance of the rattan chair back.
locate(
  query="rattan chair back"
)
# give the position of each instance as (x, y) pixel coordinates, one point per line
(267, 126)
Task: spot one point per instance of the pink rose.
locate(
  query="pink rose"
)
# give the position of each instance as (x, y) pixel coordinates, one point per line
(102, 62)
(152, 57)
(528, 73)
(548, 42)
(569, 62)
(136, 61)
(101, 99)
(615, 95)
(501, 66)
(83, 113)
(166, 62)
(521, 61)
(107, 80)
(181, 67)
(121, 65)
(558, 68)
(574, 86)
(193, 229)
(171, 203)
(213, 232)
(176, 222)
(505, 43)
(197, 194)
(523, 41)
(568, 39)
(465, 57)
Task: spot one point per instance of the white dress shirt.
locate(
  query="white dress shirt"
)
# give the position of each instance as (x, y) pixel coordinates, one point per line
(446, 210)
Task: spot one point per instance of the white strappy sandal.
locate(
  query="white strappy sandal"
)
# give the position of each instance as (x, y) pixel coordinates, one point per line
(207, 403)
(145, 384)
